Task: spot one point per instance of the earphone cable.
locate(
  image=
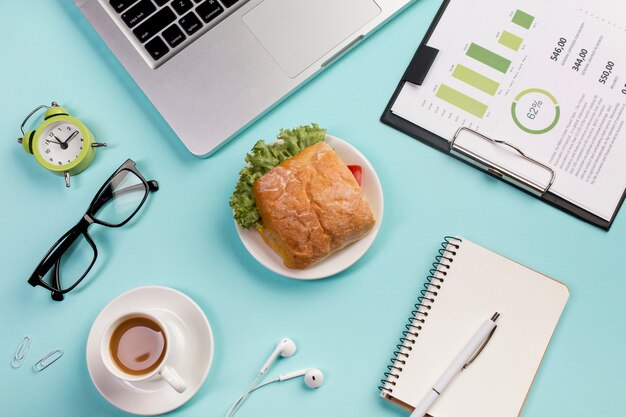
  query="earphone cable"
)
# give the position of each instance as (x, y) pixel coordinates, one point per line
(245, 394)
(238, 403)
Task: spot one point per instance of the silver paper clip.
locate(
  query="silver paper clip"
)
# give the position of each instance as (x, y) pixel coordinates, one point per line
(47, 360)
(21, 352)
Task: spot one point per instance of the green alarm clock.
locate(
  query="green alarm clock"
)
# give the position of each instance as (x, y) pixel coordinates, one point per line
(61, 144)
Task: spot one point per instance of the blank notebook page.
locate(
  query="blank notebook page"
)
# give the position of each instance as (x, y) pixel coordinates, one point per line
(478, 284)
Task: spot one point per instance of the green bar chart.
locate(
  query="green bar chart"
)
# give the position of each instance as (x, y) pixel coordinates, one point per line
(487, 57)
(510, 40)
(470, 78)
(462, 101)
(475, 79)
(523, 19)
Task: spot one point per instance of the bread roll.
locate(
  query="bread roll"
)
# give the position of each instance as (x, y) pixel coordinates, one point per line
(311, 206)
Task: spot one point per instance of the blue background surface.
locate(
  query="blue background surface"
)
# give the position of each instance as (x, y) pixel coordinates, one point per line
(184, 238)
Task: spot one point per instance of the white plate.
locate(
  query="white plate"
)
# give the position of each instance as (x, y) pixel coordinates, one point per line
(193, 361)
(339, 260)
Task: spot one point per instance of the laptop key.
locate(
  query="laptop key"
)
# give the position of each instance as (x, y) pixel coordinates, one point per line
(177, 23)
(190, 23)
(154, 24)
(156, 48)
(173, 36)
(209, 10)
(120, 5)
(181, 6)
(137, 13)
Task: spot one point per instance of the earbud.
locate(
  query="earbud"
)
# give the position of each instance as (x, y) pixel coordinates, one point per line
(313, 378)
(285, 348)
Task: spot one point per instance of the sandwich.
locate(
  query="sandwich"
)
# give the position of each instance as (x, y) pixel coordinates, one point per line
(304, 201)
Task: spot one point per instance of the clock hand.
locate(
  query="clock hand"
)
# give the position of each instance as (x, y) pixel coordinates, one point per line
(71, 137)
(58, 141)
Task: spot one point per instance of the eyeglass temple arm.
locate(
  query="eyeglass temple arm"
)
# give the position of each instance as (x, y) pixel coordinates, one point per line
(56, 254)
(57, 295)
(108, 195)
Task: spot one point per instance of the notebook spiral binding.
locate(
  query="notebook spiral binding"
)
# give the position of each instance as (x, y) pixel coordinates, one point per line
(419, 314)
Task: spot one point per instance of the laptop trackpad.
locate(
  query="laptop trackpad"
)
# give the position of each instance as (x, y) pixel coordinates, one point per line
(299, 32)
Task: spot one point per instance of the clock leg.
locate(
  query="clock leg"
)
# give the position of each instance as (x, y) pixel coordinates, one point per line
(67, 179)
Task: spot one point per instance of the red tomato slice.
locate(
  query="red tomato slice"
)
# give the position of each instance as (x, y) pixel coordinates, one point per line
(357, 172)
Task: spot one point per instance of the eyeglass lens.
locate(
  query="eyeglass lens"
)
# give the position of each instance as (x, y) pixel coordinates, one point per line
(73, 264)
(120, 199)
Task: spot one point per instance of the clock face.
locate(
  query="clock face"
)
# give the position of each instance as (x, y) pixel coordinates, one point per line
(61, 143)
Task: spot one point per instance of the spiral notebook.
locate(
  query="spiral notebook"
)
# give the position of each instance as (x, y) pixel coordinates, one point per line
(467, 284)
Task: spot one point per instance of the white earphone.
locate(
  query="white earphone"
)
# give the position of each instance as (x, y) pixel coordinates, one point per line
(285, 348)
(313, 378)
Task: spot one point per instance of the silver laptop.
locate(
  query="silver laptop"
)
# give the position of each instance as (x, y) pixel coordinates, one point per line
(211, 67)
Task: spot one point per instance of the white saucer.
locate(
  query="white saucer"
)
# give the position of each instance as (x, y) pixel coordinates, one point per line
(339, 260)
(193, 362)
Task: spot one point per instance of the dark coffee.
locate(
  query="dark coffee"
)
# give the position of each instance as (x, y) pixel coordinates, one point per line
(137, 346)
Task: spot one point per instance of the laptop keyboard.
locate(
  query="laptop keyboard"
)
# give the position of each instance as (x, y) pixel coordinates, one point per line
(159, 29)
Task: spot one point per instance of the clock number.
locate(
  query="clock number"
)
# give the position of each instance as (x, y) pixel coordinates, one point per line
(60, 163)
(47, 150)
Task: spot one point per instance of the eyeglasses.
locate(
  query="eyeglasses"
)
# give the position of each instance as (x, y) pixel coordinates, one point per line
(70, 259)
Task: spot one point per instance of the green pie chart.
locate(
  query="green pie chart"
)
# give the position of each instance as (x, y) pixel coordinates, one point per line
(535, 111)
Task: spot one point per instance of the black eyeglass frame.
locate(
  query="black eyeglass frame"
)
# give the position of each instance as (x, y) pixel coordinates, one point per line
(52, 258)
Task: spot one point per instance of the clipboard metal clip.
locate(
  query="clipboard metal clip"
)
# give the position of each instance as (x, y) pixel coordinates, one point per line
(497, 170)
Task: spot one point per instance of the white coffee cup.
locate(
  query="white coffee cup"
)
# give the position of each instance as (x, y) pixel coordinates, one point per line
(164, 369)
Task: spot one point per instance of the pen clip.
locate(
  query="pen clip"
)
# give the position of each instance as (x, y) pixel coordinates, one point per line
(480, 348)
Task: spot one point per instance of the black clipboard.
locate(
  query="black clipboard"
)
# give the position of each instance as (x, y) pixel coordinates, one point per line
(416, 73)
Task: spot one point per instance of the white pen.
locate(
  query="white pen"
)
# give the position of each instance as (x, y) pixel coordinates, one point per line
(463, 359)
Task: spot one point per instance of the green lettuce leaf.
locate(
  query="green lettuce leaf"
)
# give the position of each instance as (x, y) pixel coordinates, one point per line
(262, 159)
